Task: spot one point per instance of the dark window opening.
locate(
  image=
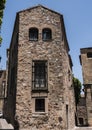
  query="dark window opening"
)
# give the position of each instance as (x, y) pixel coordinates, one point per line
(2, 89)
(69, 75)
(12, 80)
(33, 34)
(39, 75)
(39, 105)
(46, 34)
(89, 55)
(81, 121)
(67, 115)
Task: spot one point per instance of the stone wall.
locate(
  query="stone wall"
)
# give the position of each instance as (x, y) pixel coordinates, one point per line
(2, 88)
(82, 112)
(86, 65)
(59, 100)
(86, 61)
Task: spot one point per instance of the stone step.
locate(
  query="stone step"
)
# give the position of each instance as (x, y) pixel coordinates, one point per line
(83, 128)
(4, 125)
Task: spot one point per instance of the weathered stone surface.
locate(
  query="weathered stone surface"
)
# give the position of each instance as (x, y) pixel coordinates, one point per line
(82, 111)
(2, 88)
(59, 100)
(86, 65)
(86, 61)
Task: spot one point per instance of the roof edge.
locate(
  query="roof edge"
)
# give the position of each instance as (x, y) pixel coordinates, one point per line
(86, 48)
(39, 5)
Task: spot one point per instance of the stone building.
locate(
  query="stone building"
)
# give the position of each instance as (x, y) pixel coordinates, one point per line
(82, 111)
(2, 88)
(86, 62)
(40, 93)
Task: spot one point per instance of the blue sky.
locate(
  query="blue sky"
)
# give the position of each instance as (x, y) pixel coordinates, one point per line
(77, 18)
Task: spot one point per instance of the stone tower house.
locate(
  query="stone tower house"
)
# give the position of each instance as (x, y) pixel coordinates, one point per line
(40, 94)
(86, 62)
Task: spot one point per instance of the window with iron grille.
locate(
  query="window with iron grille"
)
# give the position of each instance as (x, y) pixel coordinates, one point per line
(39, 105)
(33, 34)
(39, 70)
(46, 34)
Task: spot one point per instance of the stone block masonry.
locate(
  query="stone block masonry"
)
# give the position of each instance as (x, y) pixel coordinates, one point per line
(50, 106)
(86, 62)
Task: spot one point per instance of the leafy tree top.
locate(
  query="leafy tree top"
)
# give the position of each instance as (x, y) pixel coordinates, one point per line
(77, 89)
(2, 6)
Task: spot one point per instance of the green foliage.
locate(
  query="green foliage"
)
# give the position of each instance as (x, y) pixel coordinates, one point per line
(77, 89)
(0, 40)
(2, 6)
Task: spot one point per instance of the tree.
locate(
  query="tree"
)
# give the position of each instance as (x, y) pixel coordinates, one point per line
(77, 89)
(2, 6)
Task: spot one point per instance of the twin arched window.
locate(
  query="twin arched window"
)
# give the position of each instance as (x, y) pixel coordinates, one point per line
(34, 32)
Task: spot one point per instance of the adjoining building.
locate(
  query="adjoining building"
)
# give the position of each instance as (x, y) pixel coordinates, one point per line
(2, 89)
(86, 62)
(40, 93)
(82, 112)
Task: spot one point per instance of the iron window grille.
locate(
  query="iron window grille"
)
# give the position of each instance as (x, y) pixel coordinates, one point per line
(46, 34)
(39, 74)
(33, 34)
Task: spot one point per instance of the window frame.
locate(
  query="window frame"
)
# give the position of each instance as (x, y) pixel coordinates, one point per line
(46, 34)
(45, 111)
(33, 34)
(34, 81)
(39, 104)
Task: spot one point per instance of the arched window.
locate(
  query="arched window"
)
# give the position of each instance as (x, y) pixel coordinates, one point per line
(33, 34)
(46, 34)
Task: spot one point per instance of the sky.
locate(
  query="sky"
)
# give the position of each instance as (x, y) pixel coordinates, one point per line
(77, 19)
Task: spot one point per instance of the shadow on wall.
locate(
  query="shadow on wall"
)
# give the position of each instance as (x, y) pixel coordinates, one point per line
(16, 125)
